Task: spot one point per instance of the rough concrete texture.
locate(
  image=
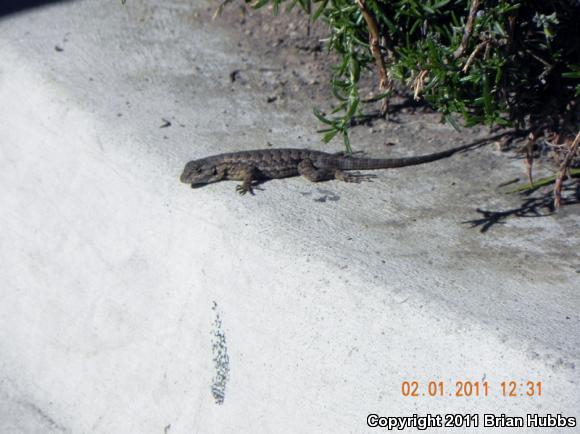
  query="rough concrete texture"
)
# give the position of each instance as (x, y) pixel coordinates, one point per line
(131, 303)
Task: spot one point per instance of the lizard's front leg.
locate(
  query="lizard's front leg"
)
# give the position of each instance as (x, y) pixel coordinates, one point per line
(245, 173)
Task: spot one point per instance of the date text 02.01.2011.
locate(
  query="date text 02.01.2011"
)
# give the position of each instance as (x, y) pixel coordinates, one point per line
(477, 389)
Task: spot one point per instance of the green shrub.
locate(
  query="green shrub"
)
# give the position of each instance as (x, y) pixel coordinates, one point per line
(493, 62)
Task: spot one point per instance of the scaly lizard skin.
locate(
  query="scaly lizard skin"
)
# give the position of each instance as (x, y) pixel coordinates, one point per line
(263, 164)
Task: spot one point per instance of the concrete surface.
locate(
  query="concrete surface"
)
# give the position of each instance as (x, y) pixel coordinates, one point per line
(131, 303)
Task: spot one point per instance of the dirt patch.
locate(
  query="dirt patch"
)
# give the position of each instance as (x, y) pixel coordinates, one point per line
(298, 67)
(295, 64)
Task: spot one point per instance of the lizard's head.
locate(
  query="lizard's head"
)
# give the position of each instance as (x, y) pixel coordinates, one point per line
(201, 172)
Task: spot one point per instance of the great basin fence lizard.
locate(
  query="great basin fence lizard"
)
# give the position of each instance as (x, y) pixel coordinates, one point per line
(259, 165)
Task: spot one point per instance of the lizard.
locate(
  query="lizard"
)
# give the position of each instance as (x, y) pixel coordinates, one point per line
(259, 165)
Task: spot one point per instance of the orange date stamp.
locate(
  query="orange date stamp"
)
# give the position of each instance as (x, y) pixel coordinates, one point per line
(471, 389)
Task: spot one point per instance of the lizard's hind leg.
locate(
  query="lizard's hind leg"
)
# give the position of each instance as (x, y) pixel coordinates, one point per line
(314, 174)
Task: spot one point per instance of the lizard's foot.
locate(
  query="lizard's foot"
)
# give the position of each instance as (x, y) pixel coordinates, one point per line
(245, 188)
(355, 177)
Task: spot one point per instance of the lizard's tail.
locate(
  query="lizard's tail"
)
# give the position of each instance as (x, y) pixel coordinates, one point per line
(390, 163)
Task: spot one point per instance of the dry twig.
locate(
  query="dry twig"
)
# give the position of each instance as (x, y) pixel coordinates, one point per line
(468, 29)
(220, 9)
(530, 157)
(374, 37)
(475, 52)
(418, 84)
(563, 172)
